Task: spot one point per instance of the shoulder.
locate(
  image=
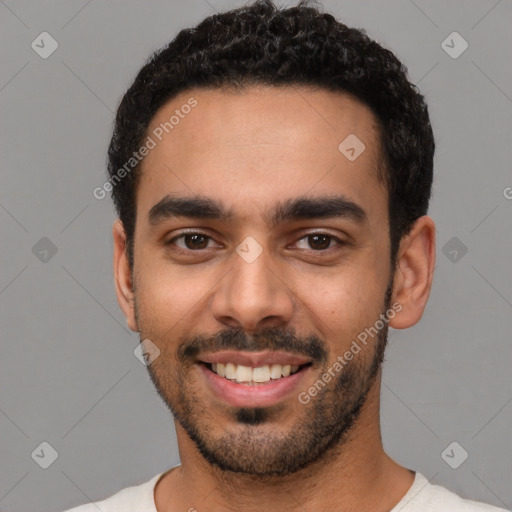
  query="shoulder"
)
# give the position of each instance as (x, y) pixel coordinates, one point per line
(137, 498)
(424, 496)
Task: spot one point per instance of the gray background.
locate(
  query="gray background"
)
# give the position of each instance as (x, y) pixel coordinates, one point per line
(68, 373)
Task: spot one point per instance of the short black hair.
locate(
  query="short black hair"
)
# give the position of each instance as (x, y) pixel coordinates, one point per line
(301, 45)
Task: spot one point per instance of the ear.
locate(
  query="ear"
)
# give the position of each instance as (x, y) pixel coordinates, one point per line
(414, 272)
(123, 275)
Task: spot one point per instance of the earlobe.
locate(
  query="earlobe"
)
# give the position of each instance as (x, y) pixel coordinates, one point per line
(123, 275)
(414, 273)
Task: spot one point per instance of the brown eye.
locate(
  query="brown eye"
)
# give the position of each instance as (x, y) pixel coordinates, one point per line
(191, 241)
(196, 241)
(318, 241)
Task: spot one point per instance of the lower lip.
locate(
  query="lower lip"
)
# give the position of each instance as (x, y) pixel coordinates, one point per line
(258, 395)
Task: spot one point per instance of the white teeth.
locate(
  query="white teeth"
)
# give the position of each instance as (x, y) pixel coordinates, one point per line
(230, 371)
(275, 371)
(260, 374)
(243, 373)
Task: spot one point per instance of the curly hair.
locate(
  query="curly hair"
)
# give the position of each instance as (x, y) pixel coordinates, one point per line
(300, 45)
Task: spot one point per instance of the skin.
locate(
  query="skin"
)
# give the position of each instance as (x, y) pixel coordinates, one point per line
(250, 150)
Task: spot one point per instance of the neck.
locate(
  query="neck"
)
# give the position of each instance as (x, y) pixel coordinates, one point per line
(356, 474)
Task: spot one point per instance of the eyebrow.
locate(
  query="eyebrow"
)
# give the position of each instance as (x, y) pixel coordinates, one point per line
(300, 208)
(319, 207)
(194, 207)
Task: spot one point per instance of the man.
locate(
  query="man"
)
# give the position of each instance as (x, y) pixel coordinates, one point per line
(272, 171)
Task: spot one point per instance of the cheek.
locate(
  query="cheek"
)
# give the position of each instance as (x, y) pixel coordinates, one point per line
(164, 299)
(345, 302)
(170, 295)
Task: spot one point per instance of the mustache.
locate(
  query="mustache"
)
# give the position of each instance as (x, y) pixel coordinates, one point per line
(271, 339)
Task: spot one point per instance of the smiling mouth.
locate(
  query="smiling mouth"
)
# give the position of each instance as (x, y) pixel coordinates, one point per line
(254, 376)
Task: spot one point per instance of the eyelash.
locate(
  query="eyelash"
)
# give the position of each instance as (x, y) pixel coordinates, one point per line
(189, 233)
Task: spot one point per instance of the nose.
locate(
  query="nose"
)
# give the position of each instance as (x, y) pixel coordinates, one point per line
(253, 296)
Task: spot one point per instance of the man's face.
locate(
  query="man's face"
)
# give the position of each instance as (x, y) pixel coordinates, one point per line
(269, 283)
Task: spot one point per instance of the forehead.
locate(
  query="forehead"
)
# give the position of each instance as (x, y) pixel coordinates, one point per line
(260, 143)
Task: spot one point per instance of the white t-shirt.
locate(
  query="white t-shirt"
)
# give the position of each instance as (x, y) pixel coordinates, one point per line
(421, 497)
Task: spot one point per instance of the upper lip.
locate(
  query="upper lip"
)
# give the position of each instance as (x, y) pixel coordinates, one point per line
(253, 359)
